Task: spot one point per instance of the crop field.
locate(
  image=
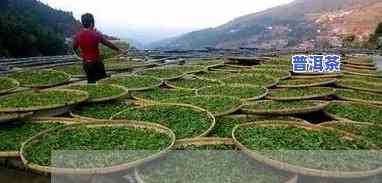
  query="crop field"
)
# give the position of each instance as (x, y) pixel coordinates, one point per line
(261, 108)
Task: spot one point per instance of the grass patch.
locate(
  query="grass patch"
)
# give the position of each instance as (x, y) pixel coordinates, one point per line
(186, 122)
(133, 82)
(40, 78)
(356, 111)
(252, 79)
(300, 93)
(244, 92)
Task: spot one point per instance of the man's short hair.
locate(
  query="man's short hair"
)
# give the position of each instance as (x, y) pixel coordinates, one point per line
(87, 20)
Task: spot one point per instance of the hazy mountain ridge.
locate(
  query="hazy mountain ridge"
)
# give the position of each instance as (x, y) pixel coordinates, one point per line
(302, 23)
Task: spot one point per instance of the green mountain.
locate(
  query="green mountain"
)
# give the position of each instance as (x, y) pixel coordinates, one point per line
(298, 24)
(31, 28)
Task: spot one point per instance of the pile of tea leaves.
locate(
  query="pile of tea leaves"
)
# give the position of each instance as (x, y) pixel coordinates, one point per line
(297, 83)
(252, 79)
(165, 73)
(192, 83)
(40, 78)
(286, 137)
(161, 94)
(225, 124)
(353, 111)
(216, 75)
(104, 138)
(370, 133)
(300, 93)
(359, 96)
(7, 85)
(12, 135)
(133, 82)
(217, 105)
(30, 100)
(186, 122)
(244, 92)
(375, 80)
(100, 92)
(102, 110)
(270, 107)
(75, 70)
(231, 68)
(188, 69)
(277, 73)
(308, 146)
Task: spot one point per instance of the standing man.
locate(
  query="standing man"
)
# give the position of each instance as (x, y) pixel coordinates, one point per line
(86, 43)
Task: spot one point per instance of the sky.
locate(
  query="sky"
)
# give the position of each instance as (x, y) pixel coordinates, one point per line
(170, 16)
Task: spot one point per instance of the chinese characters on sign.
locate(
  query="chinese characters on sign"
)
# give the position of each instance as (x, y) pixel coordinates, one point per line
(316, 63)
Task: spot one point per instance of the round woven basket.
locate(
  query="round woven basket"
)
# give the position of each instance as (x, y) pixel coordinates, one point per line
(14, 82)
(360, 100)
(339, 84)
(335, 117)
(205, 79)
(104, 81)
(203, 141)
(303, 97)
(168, 78)
(131, 67)
(296, 168)
(209, 114)
(258, 118)
(104, 99)
(51, 107)
(320, 105)
(322, 83)
(150, 101)
(16, 154)
(360, 74)
(106, 170)
(247, 99)
(66, 80)
(266, 70)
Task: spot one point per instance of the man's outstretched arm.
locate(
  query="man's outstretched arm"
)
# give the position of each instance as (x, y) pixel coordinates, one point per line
(109, 44)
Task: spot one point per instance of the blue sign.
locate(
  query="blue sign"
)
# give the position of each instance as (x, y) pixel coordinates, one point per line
(316, 63)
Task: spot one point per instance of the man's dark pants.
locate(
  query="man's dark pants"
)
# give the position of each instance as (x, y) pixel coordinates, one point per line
(94, 71)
